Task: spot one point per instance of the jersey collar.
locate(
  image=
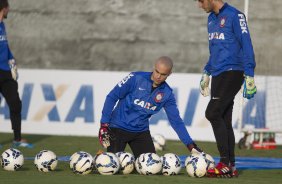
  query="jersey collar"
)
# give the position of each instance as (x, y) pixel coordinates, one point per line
(220, 11)
(223, 8)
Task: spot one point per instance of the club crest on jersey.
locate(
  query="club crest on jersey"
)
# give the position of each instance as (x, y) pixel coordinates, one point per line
(222, 21)
(159, 97)
(145, 105)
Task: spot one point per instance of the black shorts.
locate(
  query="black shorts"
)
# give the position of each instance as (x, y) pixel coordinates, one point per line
(139, 142)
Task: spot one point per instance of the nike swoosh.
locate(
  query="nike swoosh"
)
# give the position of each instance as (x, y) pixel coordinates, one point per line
(215, 98)
(141, 89)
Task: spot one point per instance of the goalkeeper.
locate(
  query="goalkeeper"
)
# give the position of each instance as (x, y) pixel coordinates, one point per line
(140, 95)
(8, 80)
(231, 64)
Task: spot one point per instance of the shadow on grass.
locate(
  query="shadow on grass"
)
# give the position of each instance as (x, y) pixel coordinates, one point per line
(7, 138)
(59, 170)
(23, 169)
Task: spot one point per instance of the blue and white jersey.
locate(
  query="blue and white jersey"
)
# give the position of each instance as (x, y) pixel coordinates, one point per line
(137, 103)
(230, 43)
(5, 53)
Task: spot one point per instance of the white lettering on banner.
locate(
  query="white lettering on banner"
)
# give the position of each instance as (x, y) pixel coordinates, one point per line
(144, 104)
(216, 36)
(243, 23)
(123, 81)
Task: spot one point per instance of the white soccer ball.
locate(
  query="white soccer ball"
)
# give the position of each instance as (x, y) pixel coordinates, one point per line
(209, 160)
(81, 163)
(187, 160)
(75, 156)
(12, 159)
(196, 166)
(138, 165)
(107, 163)
(45, 161)
(126, 161)
(157, 146)
(171, 164)
(159, 142)
(94, 162)
(150, 163)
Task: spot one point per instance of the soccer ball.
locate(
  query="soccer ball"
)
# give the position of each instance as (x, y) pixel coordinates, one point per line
(188, 159)
(171, 164)
(107, 163)
(159, 142)
(150, 164)
(81, 163)
(12, 159)
(46, 161)
(138, 165)
(196, 166)
(94, 162)
(75, 156)
(126, 161)
(157, 146)
(209, 160)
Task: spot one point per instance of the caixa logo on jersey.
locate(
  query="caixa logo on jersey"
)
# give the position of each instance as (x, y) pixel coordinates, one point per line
(3, 37)
(145, 105)
(46, 102)
(216, 36)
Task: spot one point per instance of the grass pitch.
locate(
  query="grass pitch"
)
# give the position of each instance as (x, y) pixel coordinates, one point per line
(67, 145)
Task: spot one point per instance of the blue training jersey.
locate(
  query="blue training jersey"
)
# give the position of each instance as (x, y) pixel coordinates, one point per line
(137, 103)
(5, 53)
(230, 43)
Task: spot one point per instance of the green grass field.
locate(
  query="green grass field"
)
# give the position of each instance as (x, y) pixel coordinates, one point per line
(67, 145)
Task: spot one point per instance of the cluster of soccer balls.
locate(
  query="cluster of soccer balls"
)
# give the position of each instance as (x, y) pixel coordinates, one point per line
(13, 159)
(107, 163)
(170, 164)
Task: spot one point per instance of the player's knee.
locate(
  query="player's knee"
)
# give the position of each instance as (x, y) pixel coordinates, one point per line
(15, 106)
(212, 114)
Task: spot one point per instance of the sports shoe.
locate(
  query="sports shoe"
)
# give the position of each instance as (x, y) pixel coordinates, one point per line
(22, 143)
(221, 170)
(235, 172)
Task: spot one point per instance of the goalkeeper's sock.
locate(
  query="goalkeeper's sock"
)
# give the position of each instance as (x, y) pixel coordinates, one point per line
(235, 172)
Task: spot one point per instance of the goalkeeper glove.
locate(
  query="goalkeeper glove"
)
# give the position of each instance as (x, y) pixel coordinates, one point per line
(14, 69)
(194, 149)
(104, 135)
(204, 84)
(250, 88)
